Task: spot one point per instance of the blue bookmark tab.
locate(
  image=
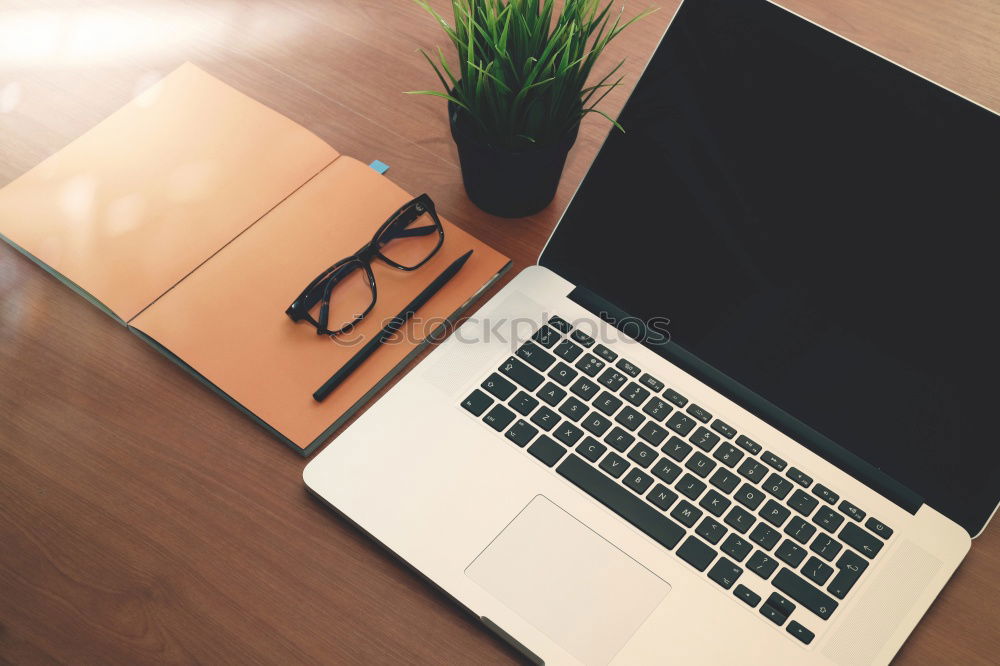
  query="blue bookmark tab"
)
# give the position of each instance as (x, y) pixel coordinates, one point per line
(379, 166)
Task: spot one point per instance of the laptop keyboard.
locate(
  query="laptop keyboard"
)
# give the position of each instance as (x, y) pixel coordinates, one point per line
(687, 479)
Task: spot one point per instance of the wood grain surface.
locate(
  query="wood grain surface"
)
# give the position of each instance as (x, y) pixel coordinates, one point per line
(142, 519)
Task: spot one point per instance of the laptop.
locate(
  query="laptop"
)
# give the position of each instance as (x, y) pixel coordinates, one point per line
(735, 414)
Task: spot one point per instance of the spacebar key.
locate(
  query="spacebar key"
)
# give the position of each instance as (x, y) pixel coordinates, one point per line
(621, 501)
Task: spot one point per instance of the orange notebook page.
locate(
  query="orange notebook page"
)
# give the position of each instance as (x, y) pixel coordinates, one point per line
(227, 319)
(138, 202)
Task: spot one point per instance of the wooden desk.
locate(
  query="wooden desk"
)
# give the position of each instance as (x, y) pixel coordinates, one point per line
(143, 519)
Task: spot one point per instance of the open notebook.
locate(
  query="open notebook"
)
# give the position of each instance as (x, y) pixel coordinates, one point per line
(194, 215)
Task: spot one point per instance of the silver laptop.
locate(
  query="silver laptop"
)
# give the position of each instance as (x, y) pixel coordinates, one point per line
(736, 412)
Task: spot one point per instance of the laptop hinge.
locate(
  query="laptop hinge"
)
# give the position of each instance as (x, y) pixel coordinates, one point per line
(656, 341)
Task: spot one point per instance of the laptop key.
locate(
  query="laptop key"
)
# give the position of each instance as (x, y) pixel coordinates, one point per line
(745, 442)
(704, 438)
(725, 573)
(790, 553)
(627, 367)
(551, 394)
(828, 519)
(621, 501)
(661, 496)
(560, 324)
(696, 552)
(563, 374)
(573, 409)
(826, 547)
(619, 439)
(638, 480)
(630, 418)
(805, 593)
(567, 351)
(547, 450)
(596, 424)
(521, 432)
(727, 454)
(523, 403)
(605, 353)
(800, 632)
(799, 530)
(852, 511)
(780, 604)
(613, 379)
(677, 448)
(680, 424)
(799, 477)
(817, 570)
(850, 566)
(642, 455)
(607, 403)
(535, 356)
(666, 470)
(710, 530)
(699, 413)
(657, 409)
(521, 373)
(498, 386)
(545, 336)
(762, 565)
(690, 487)
(635, 394)
(778, 486)
(725, 480)
(700, 464)
(590, 365)
(825, 494)
(773, 460)
(584, 388)
(753, 470)
(614, 464)
(582, 338)
(651, 382)
(773, 614)
(879, 528)
(803, 502)
(740, 520)
(499, 417)
(860, 540)
(652, 433)
(590, 449)
(765, 536)
(714, 503)
(545, 418)
(775, 513)
(749, 496)
(567, 433)
(723, 429)
(747, 596)
(477, 402)
(675, 397)
(736, 547)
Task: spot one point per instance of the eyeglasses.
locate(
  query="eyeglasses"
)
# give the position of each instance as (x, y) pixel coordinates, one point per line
(407, 241)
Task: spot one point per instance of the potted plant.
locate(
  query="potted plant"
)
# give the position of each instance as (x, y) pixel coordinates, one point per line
(519, 91)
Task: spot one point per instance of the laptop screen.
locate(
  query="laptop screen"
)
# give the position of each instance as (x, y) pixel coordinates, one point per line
(820, 225)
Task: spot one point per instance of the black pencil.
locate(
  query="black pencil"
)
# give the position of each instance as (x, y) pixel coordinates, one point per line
(394, 325)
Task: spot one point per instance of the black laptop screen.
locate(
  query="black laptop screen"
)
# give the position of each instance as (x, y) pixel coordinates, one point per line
(820, 225)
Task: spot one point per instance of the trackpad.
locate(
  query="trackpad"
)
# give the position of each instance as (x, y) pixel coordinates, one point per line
(567, 581)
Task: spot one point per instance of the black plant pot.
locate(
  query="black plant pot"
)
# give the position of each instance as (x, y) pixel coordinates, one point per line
(506, 183)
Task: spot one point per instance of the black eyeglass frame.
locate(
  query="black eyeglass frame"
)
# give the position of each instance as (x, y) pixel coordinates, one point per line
(392, 229)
